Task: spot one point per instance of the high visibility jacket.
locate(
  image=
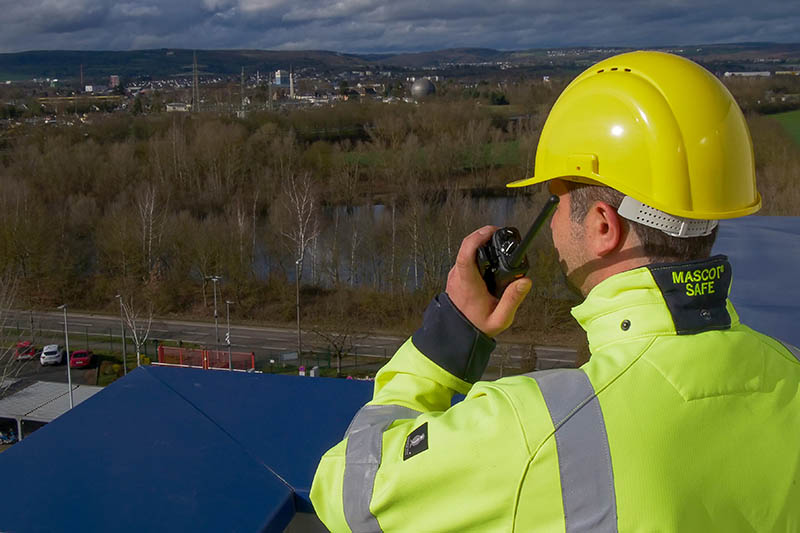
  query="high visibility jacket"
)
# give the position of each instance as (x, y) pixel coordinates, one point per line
(684, 419)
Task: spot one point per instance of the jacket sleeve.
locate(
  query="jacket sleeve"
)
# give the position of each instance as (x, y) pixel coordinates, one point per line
(409, 461)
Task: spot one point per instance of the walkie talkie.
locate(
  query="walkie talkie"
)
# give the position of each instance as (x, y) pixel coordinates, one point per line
(504, 258)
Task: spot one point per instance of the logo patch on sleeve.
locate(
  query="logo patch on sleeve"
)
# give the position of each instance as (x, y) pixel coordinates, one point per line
(417, 442)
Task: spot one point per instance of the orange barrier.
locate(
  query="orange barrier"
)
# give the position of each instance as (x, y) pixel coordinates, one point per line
(196, 358)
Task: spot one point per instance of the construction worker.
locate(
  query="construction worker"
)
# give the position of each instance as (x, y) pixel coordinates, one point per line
(683, 419)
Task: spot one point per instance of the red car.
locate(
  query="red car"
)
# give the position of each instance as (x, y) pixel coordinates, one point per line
(81, 359)
(24, 350)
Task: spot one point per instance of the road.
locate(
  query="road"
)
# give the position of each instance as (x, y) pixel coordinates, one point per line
(102, 334)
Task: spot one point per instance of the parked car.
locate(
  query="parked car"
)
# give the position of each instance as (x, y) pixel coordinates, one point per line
(53, 354)
(24, 350)
(81, 359)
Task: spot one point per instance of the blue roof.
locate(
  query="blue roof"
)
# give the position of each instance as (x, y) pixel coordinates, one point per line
(174, 449)
(765, 258)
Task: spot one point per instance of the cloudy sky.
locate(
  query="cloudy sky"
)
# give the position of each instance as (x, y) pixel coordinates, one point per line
(388, 25)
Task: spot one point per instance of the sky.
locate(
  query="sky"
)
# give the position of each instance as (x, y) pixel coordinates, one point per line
(365, 26)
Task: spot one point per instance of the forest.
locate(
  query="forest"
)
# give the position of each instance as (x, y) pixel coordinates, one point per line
(367, 201)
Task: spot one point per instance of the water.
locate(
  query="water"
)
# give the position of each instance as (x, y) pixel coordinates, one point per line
(380, 246)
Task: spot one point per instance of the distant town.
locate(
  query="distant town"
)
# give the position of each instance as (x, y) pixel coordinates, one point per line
(207, 81)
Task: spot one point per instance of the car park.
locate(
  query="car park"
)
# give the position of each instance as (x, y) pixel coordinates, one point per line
(24, 350)
(81, 359)
(53, 354)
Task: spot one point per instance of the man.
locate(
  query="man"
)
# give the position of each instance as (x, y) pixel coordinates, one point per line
(683, 419)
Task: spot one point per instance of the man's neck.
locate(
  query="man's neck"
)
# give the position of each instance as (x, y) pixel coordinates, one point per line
(603, 268)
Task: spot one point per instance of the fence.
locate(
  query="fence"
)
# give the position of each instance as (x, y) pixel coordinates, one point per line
(196, 358)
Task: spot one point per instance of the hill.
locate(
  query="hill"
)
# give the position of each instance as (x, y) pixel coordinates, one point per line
(165, 63)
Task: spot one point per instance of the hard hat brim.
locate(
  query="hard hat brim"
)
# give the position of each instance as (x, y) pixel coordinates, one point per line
(744, 211)
(534, 180)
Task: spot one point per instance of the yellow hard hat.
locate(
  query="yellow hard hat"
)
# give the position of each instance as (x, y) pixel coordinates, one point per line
(659, 129)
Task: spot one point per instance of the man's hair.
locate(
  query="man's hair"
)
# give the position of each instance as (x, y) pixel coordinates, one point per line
(658, 246)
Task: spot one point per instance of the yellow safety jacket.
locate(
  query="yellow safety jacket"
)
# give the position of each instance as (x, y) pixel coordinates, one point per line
(684, 419)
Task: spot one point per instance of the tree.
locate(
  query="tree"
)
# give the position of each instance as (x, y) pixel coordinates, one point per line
(8, 289)
(139, 321)
(340, 334)
(299, 206)
(359, 220)
(151, 223)
(299, 225)
(138, 106)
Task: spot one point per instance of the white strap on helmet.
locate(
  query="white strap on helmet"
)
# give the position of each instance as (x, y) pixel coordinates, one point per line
(672, 225)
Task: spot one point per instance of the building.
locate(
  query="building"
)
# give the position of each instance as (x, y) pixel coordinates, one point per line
(282, 78)
(763, 74)
(178, 107)
(113, 81)
(95, 89)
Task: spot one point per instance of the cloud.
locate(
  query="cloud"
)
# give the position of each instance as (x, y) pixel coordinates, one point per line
(218, 5)
(131, 10)
(378, 25)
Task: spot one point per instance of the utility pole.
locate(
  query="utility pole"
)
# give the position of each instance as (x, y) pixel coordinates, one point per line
(228, 337)
(66, 343)
(242, 106)
(124, 347)
(215, 279)
(269, 90)
(195, 86)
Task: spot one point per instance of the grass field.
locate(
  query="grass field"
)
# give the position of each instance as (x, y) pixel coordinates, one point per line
(791, 122)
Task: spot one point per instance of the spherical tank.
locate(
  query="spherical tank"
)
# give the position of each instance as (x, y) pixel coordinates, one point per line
(422, 87)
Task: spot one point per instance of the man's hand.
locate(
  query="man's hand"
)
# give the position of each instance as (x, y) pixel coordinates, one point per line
(468, 292)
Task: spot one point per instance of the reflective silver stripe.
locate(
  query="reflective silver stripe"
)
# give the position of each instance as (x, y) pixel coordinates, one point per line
(584, 459)
(362, 459)
(795, 351)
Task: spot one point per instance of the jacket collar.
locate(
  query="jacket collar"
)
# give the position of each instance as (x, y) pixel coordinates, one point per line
(659, 299)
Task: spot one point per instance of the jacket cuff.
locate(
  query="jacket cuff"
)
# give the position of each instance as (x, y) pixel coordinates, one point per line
(450, 340)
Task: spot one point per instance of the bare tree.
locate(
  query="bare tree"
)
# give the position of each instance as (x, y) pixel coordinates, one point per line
(332, 263)
(393, 255)
(339, 342)
(415, 214)
(359, 219)
(345, 181)
(254, 220)
(340, 336)
(239, 218)
(151, 221)
(454, 212)
(139, 321)
(8, 290)
(300, 207)
(299, 226)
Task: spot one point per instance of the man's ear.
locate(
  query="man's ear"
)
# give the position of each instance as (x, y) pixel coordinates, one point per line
(604, 228)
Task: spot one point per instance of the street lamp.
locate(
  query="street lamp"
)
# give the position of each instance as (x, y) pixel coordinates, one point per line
(124, 348)
(228, 337)
(66, 342)
(215, 279)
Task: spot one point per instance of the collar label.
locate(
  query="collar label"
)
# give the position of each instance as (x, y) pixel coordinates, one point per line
(699, 281)
(696, 293)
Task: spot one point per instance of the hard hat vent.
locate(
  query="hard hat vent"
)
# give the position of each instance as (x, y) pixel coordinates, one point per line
(613, 69)
(672, 225)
